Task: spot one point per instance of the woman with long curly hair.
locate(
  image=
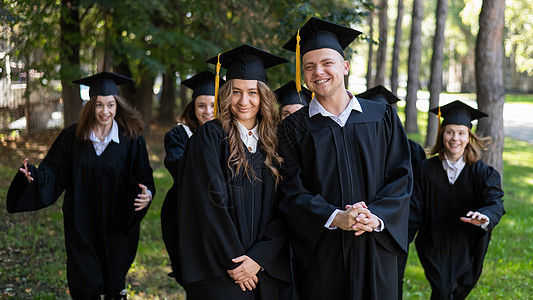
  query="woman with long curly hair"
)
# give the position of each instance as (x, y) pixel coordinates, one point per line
(102, 165)
(456, 203)
(232, 242)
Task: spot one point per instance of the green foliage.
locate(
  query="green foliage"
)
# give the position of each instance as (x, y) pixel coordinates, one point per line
(519, 25)
(519, 98)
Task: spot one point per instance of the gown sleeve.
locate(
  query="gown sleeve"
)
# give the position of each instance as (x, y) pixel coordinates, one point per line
(141, 172)
(391, 202)
(49, 179)
(308, 213)
(176, 140)
(492, 194)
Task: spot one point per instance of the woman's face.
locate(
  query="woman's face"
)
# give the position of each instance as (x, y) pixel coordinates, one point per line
(203, 108)
(455, 138)
(245, 102)
(105, 110)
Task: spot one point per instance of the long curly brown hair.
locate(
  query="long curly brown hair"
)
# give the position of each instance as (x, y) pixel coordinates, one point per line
(128, 119)
(473, 149)
(268, 120)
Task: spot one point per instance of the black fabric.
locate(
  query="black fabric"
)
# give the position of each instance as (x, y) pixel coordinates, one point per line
(247, 62)
(221, 216)
(101, 225)
(202, 84)
(458, 113)
(287, 94)
(176, 140)
(327, 167)
(452, 251)
(104, 83)
(317, 34)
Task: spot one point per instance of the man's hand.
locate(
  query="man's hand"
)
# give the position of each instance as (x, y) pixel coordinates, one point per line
(475, 218)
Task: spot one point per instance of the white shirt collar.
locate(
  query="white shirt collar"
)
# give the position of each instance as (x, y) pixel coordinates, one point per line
(112, 136)
(453, 169)
(249, 137)
(187, 129)
(315, 107)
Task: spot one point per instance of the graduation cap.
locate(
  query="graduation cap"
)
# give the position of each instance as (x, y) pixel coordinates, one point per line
(201, 84)
(317, 34)
(379, 94)
(458, 113)
(287, 94)
(104, 83)
(247, 62)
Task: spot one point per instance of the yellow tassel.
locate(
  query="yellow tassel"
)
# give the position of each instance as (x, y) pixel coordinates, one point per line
(439, 125)
(217, 82)
(298, 71)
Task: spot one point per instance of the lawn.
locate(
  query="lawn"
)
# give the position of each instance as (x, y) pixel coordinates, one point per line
(32, 254)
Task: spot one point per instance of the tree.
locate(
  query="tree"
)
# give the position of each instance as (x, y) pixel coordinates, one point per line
(413, 68)
(396, 49)
(489, 78)
(369, 80)
(70, 60)
(435, 83)
(381, 60)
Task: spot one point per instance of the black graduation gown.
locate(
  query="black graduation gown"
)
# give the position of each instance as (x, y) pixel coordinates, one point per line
(452, 251)
(176, 140)
(417, 156)
(101, 225)
(327, 167)
(221, 216)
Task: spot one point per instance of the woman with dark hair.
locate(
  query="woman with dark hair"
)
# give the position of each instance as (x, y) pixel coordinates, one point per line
(231, 239)
(196, 113)
(102, 165)
(456, 203)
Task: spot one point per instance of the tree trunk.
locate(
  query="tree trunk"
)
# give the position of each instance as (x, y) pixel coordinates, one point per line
(168, 98)
(369, 82)
(144, 98)
(396, 49)
(70, 60)
(489, 76)
(127, 91)
(381, 61)
(435, 83)
(413, 68)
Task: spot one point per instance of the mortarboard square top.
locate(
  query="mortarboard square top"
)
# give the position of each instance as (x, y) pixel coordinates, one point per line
(379, 94)
(318, 34)
(104, 83)
(247, 62)
(287, 94)
(458, 113)
(202, 84)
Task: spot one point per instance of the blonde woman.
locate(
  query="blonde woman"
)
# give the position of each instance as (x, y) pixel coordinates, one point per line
(456, 203)
(231, 240)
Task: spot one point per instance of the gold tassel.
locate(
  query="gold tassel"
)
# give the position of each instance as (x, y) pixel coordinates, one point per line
(217, 82)
(298, 71)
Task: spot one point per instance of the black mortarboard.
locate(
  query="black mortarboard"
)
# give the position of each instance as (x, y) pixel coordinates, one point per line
(201, 84)
(287, 94)
(379, 94)
(247, 62)
(318, 34)
(104, 83)
(458, 113)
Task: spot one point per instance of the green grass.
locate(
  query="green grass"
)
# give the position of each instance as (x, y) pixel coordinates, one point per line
(519, 98)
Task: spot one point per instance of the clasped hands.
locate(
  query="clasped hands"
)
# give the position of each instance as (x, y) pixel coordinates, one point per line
(356, 217)
(245, 275)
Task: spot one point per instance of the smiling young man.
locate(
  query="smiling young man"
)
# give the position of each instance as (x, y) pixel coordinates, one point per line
(346, 178)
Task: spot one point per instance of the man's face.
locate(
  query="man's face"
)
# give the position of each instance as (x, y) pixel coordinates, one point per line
(324, 70)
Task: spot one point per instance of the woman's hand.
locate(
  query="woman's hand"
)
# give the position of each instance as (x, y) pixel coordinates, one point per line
(143, 199)
(245, 273)
(475, 218)
(25, 170)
